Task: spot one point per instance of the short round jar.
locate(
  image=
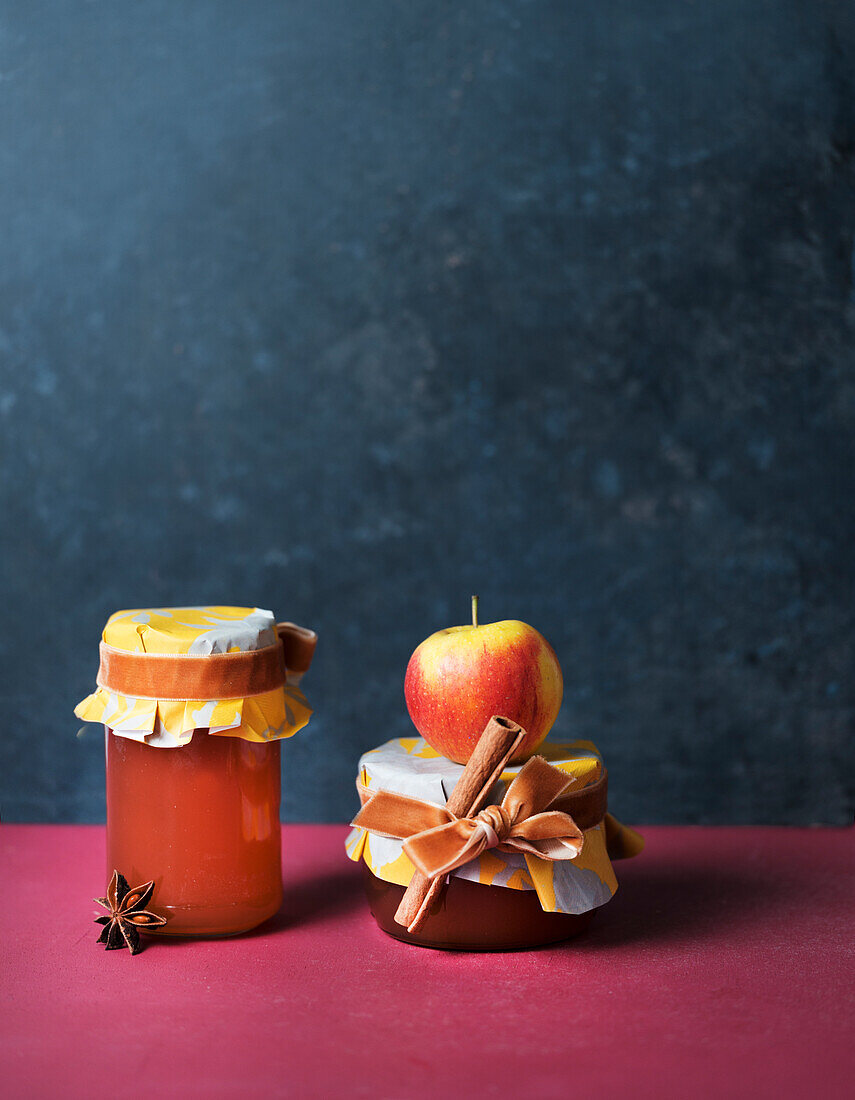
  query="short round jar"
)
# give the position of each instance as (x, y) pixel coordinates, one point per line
(504, 895)
(194, 702)
(470, 917)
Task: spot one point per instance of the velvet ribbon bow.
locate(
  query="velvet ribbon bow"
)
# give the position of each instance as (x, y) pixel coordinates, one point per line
(437, 841)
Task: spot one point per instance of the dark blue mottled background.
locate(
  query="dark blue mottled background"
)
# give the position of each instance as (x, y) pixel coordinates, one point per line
(351, 309)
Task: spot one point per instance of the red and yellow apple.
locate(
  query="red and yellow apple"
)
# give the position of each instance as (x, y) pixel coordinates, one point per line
(458, 678)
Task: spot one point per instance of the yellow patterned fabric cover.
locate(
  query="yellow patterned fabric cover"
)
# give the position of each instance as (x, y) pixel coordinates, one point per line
(408, 765)
(202, 631)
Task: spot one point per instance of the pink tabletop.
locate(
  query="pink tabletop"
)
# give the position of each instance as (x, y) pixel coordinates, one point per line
(723, 968)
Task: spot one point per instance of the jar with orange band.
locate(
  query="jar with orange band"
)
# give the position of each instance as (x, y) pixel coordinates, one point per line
(194, 702)
(525, 863)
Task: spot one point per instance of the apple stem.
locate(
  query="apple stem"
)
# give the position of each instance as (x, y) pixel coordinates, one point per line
(474, 610)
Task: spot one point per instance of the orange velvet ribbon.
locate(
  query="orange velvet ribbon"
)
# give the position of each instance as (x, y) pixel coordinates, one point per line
(534, 818)
(207, 676)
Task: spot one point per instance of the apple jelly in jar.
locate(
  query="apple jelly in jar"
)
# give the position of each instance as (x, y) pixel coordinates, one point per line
(194, 702)
(500, 900)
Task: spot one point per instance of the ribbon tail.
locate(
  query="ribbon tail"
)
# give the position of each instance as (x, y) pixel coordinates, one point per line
(439, 851)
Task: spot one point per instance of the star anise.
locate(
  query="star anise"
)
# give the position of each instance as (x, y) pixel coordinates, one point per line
(128, 913)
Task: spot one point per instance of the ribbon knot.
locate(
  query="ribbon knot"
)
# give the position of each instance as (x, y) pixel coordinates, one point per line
(496, 824)
(532, 820)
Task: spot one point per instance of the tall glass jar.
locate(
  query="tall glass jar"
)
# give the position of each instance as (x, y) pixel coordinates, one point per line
(193, 783)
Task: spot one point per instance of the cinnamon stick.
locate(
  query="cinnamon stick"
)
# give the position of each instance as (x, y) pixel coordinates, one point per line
(499, 742)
